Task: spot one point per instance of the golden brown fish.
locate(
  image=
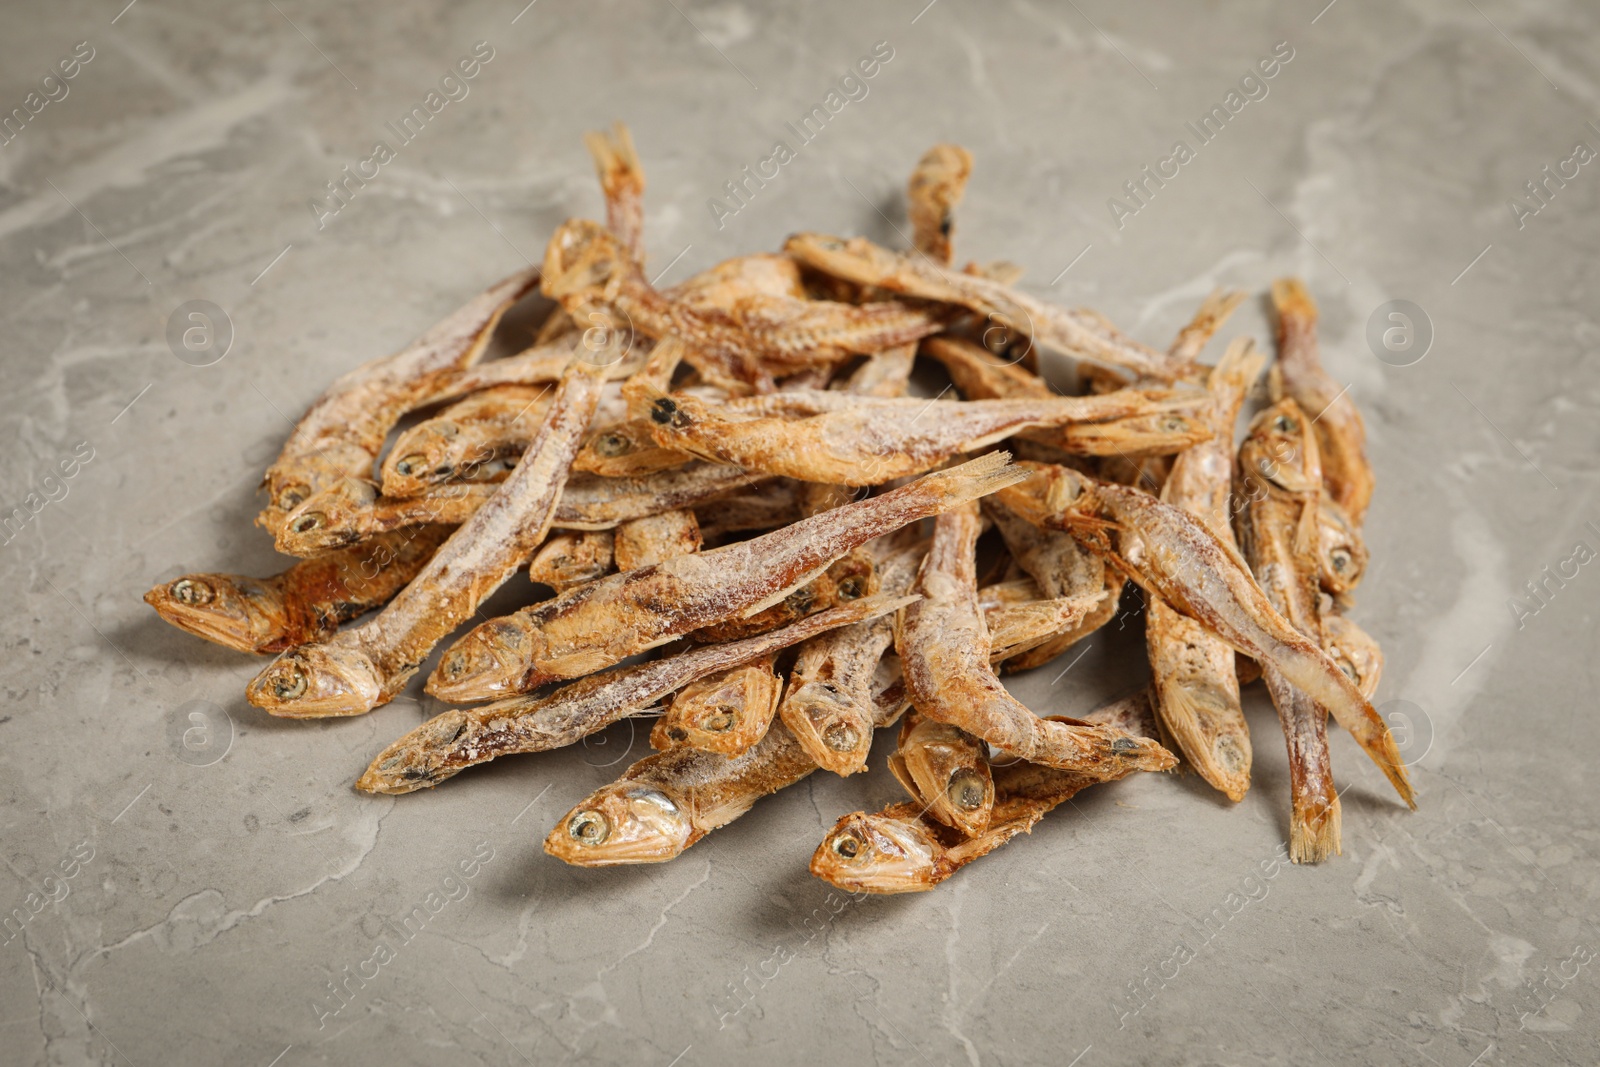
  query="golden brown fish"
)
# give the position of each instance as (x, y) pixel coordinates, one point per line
(932, 194)
(359, 669)
(641, 542)
(946, 771)
(491, 425)
(1194, 680)
(944, 653)
(1078, 333)
(1298, 374)
(344, 431)
(622, 182)
(305, 603)
(571, 558)
(726, 712)
(455, 740)
(606, 621)
(1171, 554)
(904, 849)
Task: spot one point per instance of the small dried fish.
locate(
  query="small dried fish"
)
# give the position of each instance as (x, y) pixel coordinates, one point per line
(622, 181)
(1063, 569)
(765, 505)
(1356, 652)
(494, 424)
(571, 558)
(359, 669)
(903, 849)
(608, 620)
(455, 740)
(726, 712)
(1194, 680)
(345, 429)
(829, 703)
(1341, 435)
(874, 440)
(944, 654)
(1280, 483)
(1079, 333)
(846, 579)
(932, 194)
(882, 374)
(585, 267)
(1341, 550)
(641, 542)
(305, 603)
(1171, 554)
(981, 375)
(946, 772)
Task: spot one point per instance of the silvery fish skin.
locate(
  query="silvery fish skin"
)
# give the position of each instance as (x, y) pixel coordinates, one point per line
(1194, 679)
(1078, 333)
(361, 668)
(1280, 487)
(455, 740)
(343, 432)
(1299, 375)
(904, 849)
(606, 621)
(944, 652)
(1172, 554)
(305, 603)
(932, 194)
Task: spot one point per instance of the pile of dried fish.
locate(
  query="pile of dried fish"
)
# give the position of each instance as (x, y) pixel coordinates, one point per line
(729, 472)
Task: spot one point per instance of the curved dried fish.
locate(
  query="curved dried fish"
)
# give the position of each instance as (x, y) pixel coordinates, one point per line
(932, 194)
(726, 712)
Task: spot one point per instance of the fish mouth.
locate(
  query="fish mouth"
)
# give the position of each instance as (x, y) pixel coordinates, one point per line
(489, 662)
(316, 681)
(232, 612)
(876, 854)
(621, 824)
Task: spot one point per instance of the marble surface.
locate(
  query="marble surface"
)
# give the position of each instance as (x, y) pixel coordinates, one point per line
(196, 899)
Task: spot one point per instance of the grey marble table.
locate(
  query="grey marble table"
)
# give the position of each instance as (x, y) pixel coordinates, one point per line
(190, 882)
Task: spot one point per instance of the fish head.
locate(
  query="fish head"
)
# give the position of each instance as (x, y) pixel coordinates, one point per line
(832, 726)
(726, 713)
(1281, 450)
(318, 680)
(230, 610)
(424, 456)
(1341, 550)
(584, 263)
(1353, 651)
(877, 853)
(607, 448)
(951, 774)
(491, 661)
(293, 480)
(328, 519)
(621, 823)
(421, 758)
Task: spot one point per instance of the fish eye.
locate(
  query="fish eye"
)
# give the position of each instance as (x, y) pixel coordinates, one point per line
(677, 733)
(663, 410)
(1174, 425)
(847, 846)
(411, 464)
(588, 828)
(1339, 558)
(1348, 668)
(850, 588)
(719, 722)
(1284, 424)
(292, 495)
(965, 789)
(191, 591)
(289, 684)
(841, 736)
(307, 522)
(613, 444)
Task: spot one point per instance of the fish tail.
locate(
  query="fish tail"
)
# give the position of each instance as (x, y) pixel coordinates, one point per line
(1314, 832)
(973, 479)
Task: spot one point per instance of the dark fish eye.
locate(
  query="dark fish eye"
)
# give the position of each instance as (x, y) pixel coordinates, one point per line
(847, 846)
(290, 684)
(1174, 425)
(850, 588)
(307, 522)
(1340, 559)
(191, 591)
(292, 495)
(588, 828)
(677, 733)
(965, 789)
(411, 464)
(1283, 424)
(719, 722)
(612, 444)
